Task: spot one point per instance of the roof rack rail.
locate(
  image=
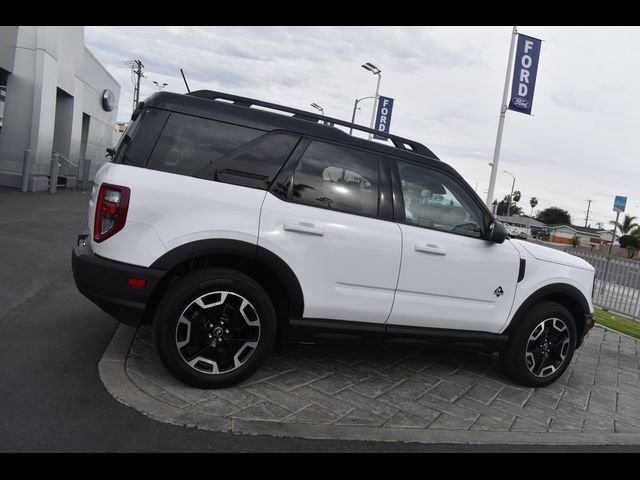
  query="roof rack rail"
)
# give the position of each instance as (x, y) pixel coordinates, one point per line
(398, 142)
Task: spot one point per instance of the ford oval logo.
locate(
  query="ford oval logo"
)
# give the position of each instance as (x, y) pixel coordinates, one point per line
(521, 102)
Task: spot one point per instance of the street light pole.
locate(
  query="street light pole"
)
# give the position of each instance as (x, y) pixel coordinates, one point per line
(375, 103)
(513, 184)
(370, 67)
(318, 107)
(355, 107)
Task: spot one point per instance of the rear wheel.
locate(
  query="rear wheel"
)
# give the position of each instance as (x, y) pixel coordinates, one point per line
(214, 328)
(542, 346)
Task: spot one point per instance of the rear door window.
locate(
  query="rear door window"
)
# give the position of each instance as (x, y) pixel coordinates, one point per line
(256, 164)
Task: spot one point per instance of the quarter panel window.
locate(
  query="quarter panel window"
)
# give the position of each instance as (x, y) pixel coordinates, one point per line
(190, 144)
(434, 200)
(337, 178)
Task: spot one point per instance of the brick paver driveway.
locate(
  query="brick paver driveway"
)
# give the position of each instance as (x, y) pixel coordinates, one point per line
(411, 395)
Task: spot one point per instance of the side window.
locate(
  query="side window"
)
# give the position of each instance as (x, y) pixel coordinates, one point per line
(189, 144)
(434, 200)
(256, 164)
(337, 178)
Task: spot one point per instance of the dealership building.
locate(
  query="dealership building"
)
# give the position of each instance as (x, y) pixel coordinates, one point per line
(56, 102)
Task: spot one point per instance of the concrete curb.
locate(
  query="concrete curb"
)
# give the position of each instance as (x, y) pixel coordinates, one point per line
(616, 331)
(112, 368)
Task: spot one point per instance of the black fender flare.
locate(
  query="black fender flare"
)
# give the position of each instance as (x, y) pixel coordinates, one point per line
(246, 250)
(549, 290)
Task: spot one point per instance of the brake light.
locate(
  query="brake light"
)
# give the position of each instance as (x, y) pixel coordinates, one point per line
(111, 211)
(136, 282)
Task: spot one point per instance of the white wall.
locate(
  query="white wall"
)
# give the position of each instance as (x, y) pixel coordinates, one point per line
(48, 58)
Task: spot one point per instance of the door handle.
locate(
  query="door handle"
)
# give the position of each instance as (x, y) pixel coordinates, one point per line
(300, 228)
(431, 248)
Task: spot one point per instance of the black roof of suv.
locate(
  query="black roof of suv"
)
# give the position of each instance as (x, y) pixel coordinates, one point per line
(260, 115)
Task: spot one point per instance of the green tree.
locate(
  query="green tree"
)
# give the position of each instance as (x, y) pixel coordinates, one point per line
(513, 209)
(533, 202)
(631, 243)
(516, 196)
(554, 215)
(628, 225)
(575, 241)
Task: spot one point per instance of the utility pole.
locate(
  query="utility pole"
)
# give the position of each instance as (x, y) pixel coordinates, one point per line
(136, 73)
(513, 184)
(606, 265)
(586, 220)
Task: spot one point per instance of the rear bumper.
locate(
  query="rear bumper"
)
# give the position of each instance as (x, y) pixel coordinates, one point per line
(104, 282)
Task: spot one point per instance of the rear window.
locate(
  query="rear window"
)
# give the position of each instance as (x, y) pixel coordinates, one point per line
(190, 145)
(137, 141)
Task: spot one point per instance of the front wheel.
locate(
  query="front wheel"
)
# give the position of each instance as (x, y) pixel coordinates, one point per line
(542, 346)
(214, 328)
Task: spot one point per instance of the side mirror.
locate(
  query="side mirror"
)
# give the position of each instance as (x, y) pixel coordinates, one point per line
(497, 232)
(110, 152)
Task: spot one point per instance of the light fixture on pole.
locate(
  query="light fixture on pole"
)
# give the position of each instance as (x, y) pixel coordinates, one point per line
(318, 107)
(513, 184)
(160, 86)
(370, 67)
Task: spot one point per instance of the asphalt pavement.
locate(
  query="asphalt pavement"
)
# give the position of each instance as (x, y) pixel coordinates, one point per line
(52, 338)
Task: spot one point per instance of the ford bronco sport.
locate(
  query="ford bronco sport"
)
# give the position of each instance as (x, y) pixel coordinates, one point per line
(234, 225)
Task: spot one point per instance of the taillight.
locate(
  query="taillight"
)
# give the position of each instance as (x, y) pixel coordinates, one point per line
(111, 211)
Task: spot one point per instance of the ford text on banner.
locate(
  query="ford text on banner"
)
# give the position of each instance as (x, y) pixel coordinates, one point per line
(524, 74)
(383, 117)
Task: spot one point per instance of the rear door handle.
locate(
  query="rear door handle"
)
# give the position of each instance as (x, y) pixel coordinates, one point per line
(431, 248)
(300, 228)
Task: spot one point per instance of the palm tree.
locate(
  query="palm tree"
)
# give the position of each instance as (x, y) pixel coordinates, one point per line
(533, 202)
(628, 225)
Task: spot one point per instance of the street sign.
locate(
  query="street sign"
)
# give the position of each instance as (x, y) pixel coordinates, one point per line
(383, 117)
(619, 204)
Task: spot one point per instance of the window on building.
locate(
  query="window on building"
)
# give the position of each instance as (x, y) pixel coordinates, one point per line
(3, 96)
(4, 77)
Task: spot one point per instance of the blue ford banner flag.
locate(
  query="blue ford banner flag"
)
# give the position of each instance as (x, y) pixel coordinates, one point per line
(524, 74)
(383, 117)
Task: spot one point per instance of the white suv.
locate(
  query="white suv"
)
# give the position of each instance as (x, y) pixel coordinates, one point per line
(234, 225)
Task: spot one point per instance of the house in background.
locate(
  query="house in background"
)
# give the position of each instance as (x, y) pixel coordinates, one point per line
(587, 236)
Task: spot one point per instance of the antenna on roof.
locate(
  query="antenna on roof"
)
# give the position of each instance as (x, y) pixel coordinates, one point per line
(185, 81)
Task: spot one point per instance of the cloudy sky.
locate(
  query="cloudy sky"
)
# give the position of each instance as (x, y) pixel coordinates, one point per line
(447, 84)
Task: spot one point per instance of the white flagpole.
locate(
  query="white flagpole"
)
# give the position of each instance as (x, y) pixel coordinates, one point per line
(503, 111)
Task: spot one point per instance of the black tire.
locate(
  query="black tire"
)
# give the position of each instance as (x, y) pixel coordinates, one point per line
(530, 360)
(214, 349)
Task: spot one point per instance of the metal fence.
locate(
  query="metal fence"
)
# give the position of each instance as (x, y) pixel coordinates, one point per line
(620, 291)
